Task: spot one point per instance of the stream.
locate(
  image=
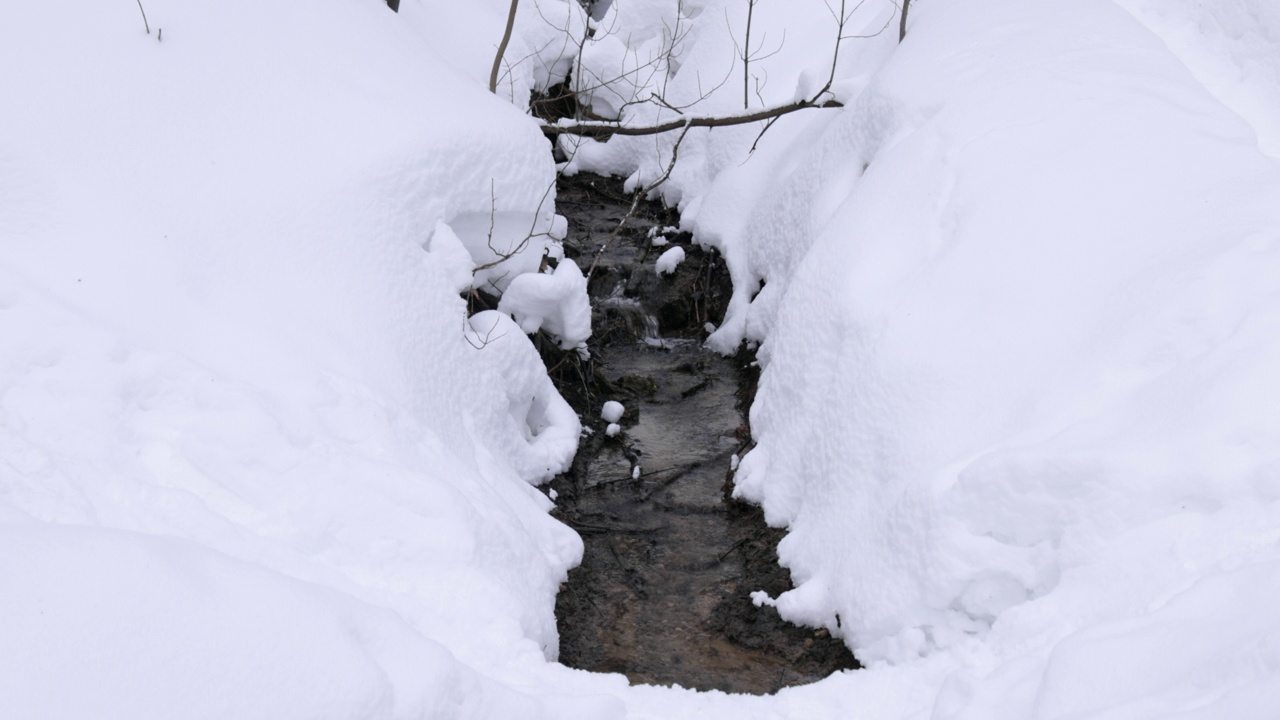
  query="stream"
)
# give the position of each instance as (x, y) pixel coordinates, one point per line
(670, 559)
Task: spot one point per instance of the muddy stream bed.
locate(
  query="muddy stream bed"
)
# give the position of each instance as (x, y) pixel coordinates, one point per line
(662, 592)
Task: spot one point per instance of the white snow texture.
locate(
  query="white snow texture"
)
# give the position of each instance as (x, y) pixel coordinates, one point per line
(1016, 301)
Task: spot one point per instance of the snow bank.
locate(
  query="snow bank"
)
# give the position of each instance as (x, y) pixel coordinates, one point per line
(1030, 379)
(1019, 326)
(250, 465)
(143, 627)
(546, 428)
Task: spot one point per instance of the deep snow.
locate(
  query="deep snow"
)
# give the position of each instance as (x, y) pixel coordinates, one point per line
(1019, 326)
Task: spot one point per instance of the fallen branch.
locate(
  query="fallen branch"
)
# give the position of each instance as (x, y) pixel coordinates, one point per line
(597, 128)
(645, 496)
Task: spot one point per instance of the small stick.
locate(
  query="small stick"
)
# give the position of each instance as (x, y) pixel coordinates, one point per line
(735, 546)
(144, 18)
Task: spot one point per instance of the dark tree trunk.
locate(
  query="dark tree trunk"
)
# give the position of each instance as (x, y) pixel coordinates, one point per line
(394, 5)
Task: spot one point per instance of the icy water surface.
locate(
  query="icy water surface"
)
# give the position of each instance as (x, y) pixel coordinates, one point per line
(662, 592)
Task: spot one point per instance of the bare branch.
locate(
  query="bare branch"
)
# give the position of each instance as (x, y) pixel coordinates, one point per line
(483, 341)
(764, 130)
(505, 255)
(144, 17)
(502, 47)
(599, 129)
(635, 201)
(746, 57)
(902, 26)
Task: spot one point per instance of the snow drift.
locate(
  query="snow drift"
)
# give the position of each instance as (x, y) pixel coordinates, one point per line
(1019, 325)
(249, 464)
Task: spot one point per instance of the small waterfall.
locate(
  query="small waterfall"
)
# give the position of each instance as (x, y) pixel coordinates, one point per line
(639, 321)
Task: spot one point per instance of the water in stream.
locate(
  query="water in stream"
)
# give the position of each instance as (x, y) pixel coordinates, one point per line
(662, 592)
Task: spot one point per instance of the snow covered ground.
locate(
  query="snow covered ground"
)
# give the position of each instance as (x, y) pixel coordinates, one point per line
(1016, 303)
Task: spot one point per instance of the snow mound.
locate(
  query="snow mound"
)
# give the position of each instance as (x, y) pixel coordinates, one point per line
(612, 411)
(668, 261)
(556, 302)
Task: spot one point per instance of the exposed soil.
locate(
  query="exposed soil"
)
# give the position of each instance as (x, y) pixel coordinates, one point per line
(662, 592)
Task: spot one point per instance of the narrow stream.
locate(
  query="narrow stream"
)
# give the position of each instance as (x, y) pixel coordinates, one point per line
(662, 592)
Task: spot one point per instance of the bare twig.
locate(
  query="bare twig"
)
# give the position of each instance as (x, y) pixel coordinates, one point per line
(505, 255)
(646, 495)
(746, 57)
(733, 547)
(502, 47)
(483, 341)
(635, 201)
(145, 24)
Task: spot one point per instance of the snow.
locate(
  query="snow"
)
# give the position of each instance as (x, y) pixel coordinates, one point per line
(541, 433)
(612, 411)
(1232, 49)
(503, 245)
(668, 261)
(556, 302)
(1015, 302)
(249, 464)
(1018, 319)
(1033, 381)
(612, 429)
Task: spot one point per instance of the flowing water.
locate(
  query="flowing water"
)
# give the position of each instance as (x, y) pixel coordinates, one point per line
(662, 592)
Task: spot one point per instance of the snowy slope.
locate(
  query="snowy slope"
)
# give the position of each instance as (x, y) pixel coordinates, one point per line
(1020, 326)
(250, 465)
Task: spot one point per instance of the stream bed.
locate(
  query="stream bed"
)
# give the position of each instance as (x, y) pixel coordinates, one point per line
(670, 559)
